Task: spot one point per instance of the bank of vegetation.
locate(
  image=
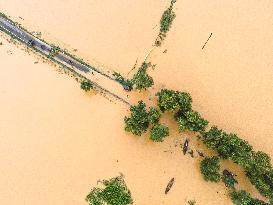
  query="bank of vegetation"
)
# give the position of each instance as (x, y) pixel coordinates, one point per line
(228, 146)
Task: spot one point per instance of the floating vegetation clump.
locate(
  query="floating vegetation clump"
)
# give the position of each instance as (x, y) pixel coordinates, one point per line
(114, 192)
(165, 24)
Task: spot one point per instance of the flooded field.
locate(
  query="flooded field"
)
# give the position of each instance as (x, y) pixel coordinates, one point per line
(56, 140)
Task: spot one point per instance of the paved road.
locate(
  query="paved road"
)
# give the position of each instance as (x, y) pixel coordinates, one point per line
(43, 47)
(103, 81)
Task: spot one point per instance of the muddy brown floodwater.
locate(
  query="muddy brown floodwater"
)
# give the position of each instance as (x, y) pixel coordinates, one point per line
(56, 141)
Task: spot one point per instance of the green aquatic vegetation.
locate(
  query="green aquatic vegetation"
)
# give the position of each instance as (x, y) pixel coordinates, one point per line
(159, 132)
(141, 80)
(115, 192)
(210, 169)
(86, 85)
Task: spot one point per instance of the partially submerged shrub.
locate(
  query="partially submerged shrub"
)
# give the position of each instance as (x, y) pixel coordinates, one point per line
(165, 23)
(159, 132)
(115, 192)
(170, 100)
(190, 120)
(86, 85)
(191, 202)
(138, 122)
(240, 197)
(210, 169)
(154, 115)
(141, 80)
(244, 198)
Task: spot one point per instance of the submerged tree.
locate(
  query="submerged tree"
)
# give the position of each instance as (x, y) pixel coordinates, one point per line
(86, 85)
(138, 122)
(159, 132)
(244, 198)
(115, 192)
(154, 115)
(141, 80)
(165, 23)
(210, 169)
(190, 120)
(170, 100)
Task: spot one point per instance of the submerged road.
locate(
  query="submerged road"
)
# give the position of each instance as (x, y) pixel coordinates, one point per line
(97, 77)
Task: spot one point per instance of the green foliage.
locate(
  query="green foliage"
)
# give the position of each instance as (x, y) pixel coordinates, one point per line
(170, 100)
(229, 146)
(54, 51)
(127, 84)
(210, 169)
(262, 162)
(115, 192)
(141, 80)
(154, 115)
(244, 198)
(138, 122)
(229, 181)
(256, 164)
(191, 121)
(165, 23)
(212, 138)
(86, 85)
(262, 182)
(159, 132)
(240, 197)
(192, 202)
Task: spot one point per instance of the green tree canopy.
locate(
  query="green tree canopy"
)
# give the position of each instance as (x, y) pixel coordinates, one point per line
(244, 198)
(86, 85)
(154, 115)
(210, 169)
(170, 100)
(115, 192)
(190, 120)
(159, 132)
(141, 80)
(138, 121)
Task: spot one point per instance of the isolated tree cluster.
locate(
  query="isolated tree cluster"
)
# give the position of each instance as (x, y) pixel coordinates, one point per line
(86, 85)
(115, 192)
(140, 119)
